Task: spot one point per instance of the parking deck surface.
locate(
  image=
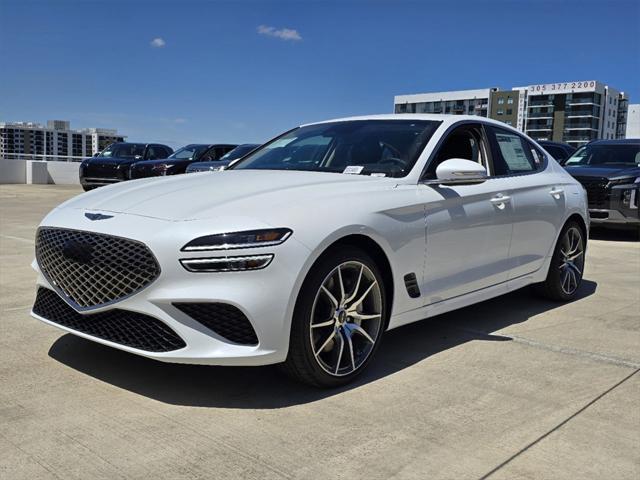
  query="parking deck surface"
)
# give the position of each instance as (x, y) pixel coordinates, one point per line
(516, 387)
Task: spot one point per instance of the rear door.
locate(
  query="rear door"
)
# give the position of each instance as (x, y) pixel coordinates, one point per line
(468, 227)
(537, 198)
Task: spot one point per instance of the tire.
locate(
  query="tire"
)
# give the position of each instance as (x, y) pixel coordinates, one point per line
(565, 276)
(347, 327)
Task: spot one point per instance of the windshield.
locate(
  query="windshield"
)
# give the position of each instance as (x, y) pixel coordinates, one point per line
(238, 152)
(384, 147)
(605, 155)
(123, 150)
(190, 152)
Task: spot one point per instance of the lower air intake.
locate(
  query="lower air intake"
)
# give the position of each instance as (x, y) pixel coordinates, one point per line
(224, 319)
(119, 326)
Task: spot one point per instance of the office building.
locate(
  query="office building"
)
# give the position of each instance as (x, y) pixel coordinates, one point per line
(570, 112)
(55, 141)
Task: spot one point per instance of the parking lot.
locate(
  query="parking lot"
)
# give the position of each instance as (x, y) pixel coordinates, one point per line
(515, 387)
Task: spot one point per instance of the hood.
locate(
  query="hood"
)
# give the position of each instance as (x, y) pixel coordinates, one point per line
(236, 192)
(167, 161)
(110, 160)
(606, 172)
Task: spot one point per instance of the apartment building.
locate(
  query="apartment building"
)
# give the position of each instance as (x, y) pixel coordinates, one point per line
(55, 141)
(570, 112)
(462, 102)
(633, 122)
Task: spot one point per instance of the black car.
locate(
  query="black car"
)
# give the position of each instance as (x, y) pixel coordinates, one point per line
(238, 152)
(609, 170)
(180, 160)
(114, 162)
(559, 151)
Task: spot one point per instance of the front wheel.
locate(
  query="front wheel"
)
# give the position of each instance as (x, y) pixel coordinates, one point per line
(338, 319)
(567, 265)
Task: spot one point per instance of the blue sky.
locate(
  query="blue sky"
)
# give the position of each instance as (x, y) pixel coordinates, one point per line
(244, 71)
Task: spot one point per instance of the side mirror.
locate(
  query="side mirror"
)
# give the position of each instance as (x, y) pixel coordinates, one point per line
(457, 171)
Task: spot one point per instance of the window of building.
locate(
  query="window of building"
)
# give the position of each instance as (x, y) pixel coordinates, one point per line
(510, 101)
(501, 101)
(508, 122)
(500, 111)
(509, 111)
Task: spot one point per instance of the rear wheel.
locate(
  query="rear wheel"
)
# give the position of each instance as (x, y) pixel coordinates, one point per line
(338, 319)
(567, 265)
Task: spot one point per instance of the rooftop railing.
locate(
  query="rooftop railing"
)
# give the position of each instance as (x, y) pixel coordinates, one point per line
(50, 158)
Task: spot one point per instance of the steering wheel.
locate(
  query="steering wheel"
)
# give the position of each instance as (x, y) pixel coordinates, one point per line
(393, 161)
(396, 160)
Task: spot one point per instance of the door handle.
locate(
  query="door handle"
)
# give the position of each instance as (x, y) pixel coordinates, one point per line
(556, 192)
(500, 200)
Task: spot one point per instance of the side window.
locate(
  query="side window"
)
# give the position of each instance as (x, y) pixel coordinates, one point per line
(209, 155)
(156, 152)
(466, 142)
(557, 152)
(166, 152)
(512, 154)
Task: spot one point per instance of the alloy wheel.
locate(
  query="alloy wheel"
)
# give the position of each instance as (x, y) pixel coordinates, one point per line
(571, 260)
(346, 318)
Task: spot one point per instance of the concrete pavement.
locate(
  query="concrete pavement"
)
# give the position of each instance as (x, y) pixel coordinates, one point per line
(513, 388)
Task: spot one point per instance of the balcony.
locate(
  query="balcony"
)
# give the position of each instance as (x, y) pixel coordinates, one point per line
(540, 115)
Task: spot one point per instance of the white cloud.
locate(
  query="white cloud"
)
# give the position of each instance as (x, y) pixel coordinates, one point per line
(180, 120)
(282, 33)
(158, 42)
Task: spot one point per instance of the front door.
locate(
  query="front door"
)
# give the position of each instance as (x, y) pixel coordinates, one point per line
(468, 227)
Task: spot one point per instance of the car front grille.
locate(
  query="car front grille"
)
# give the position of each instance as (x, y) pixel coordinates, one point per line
(93, 269)
(132, 329)
(224, 319)
(598, 191)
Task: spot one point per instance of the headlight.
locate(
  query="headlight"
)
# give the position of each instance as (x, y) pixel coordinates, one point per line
(247, 239)
(162, 168)
(226, 264)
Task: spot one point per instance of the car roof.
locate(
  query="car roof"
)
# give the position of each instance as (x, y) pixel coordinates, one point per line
(625, 141)
(445, 119)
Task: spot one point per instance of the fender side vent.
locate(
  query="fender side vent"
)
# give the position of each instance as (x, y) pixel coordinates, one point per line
(411, 282)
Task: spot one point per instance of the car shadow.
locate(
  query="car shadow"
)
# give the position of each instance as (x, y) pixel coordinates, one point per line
(614, 234)
(267, 388)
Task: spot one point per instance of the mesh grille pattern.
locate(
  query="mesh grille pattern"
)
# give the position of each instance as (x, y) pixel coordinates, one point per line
(93, 269)
(597, 191)
(119, 326)
(224, 319)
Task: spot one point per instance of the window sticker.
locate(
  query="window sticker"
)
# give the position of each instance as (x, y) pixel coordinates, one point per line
(353, 170)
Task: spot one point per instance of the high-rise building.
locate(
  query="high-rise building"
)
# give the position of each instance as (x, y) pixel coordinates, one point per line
(633, 122)
(570, 112)
(55, 141)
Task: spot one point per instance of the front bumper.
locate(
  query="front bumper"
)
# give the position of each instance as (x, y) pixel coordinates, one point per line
(265, 297)
(621, 206)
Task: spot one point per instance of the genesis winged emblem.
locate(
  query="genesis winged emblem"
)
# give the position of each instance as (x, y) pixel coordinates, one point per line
(97, 216)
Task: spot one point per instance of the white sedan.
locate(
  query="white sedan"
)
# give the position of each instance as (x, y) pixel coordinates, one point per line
(312, 246)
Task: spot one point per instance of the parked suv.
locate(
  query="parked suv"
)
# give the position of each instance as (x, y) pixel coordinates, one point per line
(112, 165)
(609, 170)
(180, 160)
